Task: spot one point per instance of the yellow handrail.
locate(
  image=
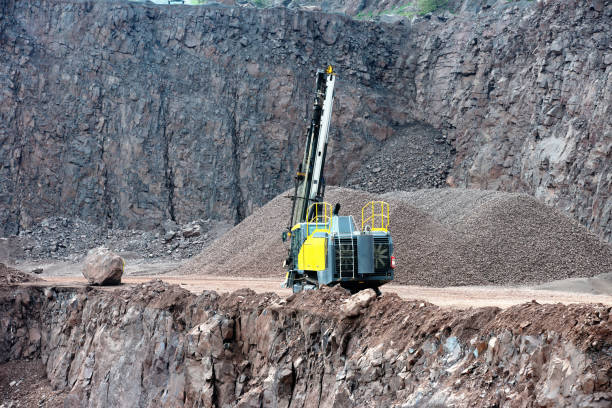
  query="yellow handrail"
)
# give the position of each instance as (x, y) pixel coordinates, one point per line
(322, 215)
(379, 216)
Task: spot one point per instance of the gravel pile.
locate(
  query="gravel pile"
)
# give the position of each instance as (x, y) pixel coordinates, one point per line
(69, 240)
(419, 157)
(474, 237)
(24, 383)
(254, 247)
(443, 237)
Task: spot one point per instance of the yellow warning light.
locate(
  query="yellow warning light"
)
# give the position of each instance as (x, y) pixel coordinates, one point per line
(329, 70)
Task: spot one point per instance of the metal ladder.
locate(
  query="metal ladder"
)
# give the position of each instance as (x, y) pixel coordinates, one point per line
(349, 261)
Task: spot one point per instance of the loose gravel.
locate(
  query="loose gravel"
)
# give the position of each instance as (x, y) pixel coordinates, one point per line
(419, 157)
(442, 237)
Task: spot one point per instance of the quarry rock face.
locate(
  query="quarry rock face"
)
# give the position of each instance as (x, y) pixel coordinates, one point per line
(131, 114)
(103, 267)
(159, 346)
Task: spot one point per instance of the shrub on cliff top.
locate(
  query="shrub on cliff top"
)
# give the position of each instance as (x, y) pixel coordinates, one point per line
(429, 6)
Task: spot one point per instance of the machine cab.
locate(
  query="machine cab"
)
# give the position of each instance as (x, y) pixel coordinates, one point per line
(309, 239)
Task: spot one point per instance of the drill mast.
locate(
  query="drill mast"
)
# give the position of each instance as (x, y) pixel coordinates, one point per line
(309, 181)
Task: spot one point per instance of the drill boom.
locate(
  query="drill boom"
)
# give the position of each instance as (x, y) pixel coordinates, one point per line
(310, 184)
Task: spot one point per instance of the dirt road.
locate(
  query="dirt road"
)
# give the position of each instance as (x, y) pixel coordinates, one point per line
(456, 297)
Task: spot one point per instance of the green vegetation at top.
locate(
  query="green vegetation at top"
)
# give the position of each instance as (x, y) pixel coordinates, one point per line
(256, 3)
(410, 9)
(429, 6)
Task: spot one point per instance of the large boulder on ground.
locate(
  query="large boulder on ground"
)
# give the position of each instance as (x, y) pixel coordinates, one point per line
(103, 267)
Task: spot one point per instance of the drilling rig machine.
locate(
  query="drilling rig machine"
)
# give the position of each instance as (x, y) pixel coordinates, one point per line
(326, 248)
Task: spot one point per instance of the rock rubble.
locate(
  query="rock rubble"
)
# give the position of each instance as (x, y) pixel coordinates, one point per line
(25, 384)
(419, 158)
(62, 238)
(11, 276)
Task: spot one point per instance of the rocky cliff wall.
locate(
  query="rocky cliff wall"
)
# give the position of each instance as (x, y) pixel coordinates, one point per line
(528, 98)
(160, 346)
(133, 114)
(130, 114)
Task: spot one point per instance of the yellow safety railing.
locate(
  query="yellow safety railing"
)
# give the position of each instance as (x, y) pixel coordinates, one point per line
(322, 215)
(375, 215)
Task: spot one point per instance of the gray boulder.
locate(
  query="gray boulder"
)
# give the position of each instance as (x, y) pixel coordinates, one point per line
(170, 226)
(191, 230)
(103, 267)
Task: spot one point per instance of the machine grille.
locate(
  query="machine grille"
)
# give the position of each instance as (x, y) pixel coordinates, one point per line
(382, 256)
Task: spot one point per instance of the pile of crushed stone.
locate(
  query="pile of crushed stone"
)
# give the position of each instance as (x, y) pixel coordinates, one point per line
(419, 157)
(442, 237)
(10, 276)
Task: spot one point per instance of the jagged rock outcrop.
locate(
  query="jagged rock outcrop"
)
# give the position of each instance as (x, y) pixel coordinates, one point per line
(130, 114)
(156, 345)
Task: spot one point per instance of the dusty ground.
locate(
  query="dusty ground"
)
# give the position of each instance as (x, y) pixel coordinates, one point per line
(576, 290)
(133, 267)
(456, 297)
(25, 384)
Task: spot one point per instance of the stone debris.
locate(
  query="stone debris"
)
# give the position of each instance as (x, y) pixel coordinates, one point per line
(23, 384)
(66, 239)
(12, 276)
(356, 303)
(191, 230)
(442, 237)
(103, 267)
(420, 157)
